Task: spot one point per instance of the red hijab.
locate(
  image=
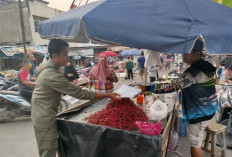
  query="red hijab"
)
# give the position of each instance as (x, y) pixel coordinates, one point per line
(102, 71)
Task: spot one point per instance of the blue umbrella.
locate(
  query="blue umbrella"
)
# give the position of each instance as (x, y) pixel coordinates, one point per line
(170, 26)
(131, 52)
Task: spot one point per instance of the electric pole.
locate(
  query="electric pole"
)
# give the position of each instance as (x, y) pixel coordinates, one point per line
(22, 26)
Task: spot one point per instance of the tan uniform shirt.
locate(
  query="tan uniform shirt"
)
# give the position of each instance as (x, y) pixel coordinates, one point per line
(50, 84)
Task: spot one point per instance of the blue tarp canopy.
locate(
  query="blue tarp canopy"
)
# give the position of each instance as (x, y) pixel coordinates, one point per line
(170, 26)
(131, 52)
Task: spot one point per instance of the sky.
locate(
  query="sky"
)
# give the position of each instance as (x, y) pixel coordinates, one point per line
(64, 5)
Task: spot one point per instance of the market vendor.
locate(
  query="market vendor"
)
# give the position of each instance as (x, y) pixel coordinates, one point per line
(31, 60)
(199, 96)
(25, 81)
(70, 73)
(102, 77)
(50, 84)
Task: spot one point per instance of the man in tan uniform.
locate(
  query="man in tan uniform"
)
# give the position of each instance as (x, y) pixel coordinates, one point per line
(50, 84)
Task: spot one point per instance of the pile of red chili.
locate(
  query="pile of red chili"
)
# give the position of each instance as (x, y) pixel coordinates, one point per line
(121, 114)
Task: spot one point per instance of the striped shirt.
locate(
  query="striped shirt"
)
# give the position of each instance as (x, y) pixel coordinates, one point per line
(101, 87)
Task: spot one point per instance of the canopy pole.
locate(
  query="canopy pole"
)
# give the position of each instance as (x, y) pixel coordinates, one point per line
(22, 26)
(145, 84)
(178, 64)
(1, 63)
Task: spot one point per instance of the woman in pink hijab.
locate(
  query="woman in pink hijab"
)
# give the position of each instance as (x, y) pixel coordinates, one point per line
(101, 77)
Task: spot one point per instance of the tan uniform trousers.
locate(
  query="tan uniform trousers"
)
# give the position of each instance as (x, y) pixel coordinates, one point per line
(47, 141)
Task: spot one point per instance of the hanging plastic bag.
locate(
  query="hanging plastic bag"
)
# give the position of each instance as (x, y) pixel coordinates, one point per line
(158, 110)
(172, 143)
(149, 128)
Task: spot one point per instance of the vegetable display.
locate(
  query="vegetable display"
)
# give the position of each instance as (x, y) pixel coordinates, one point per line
(121, 114)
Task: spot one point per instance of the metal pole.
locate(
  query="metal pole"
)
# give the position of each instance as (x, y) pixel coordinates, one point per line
(145, 84)
(1, 63)
(178, 64)
(22, 26)
(145, 69)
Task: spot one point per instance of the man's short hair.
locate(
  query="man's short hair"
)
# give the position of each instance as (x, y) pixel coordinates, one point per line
(55, 46)
(198, 47)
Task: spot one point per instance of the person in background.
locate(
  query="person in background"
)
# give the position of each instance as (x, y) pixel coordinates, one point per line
(129, 67)
(135, 68)
(25, 81)
(228, 68)
(153, 73)
(70, 73)
(101, 76)
(162, 59)
(121, 66)
(168, 61)
(89, 63)
(86, 62)
(174, 72)
(32, 60)
(141, 61)
(50, 84)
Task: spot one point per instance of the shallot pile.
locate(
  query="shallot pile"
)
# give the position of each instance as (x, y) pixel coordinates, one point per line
(121, 114)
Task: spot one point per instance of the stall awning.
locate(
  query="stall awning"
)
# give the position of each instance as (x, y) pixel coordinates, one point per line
(85, 52)
(10, 51)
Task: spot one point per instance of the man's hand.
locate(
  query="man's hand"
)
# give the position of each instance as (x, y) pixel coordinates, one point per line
(114, 96)
(33, 79)
(70, 75)
(74, 81)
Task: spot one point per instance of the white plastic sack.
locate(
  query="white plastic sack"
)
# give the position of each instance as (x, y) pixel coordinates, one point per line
(158, 110)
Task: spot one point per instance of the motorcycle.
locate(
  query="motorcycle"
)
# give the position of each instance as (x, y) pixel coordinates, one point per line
(225, 113)
(13, 105)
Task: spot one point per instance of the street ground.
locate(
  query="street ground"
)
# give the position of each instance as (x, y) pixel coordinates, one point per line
(18, 138)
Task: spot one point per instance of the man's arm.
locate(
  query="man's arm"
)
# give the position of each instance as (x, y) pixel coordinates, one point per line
(113, 96)
(183, 81)
(32, 78)
(59, 83)
(23, 78)
(28, 83)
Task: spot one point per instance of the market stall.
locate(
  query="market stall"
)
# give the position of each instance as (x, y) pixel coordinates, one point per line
(91, 24)
(78, 137)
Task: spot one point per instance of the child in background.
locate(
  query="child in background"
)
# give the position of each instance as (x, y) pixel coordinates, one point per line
(153, 73)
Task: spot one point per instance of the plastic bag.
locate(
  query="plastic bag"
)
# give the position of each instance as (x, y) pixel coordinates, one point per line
(149, 128)
(158, 110)
(146, 106)
(172, 143)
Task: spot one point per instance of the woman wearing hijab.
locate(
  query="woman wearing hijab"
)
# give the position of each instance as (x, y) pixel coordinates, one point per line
(101, 77)
(70, 73)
